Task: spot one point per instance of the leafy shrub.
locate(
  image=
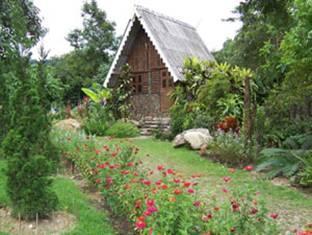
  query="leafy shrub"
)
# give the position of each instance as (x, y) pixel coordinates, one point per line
(122, 129)
(278, 162)
(98, 121)
(229, 148)
(303, 141)
(305, 175)
(159, 201)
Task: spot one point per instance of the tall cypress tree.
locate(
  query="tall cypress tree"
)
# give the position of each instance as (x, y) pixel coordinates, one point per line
(28, 148)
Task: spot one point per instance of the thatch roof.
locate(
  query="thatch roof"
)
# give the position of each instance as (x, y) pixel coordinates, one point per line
(174, 40)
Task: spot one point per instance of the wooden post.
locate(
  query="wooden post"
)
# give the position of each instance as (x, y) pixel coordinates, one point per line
(19, 222)
(37, 223)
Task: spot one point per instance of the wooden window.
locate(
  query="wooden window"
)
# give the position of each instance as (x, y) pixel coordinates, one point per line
(164, 83)
(137, 84)
(164, 73)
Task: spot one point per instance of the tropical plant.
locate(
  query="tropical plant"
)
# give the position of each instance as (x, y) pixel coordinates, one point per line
(280, 162)
(97, 93)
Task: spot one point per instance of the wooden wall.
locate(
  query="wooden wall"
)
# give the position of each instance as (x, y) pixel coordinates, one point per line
(150, 76)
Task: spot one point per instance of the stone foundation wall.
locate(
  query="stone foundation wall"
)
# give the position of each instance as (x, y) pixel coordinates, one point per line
(145, 105)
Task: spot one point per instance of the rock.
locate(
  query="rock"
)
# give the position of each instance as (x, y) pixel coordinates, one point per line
(196, 138)
(68, 124)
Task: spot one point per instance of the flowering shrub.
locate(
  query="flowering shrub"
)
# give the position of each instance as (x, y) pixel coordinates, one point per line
(160, 201)
(229, 148)
(229, 123)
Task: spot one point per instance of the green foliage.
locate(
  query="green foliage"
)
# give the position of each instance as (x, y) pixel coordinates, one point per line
(31, 156)
(278, 162)
(120, 101)
(303, 141)
(305, 176)
(98, 121)
(210, 92)
(97, 93)
(229, 148)
(29, 187)
(122, 129)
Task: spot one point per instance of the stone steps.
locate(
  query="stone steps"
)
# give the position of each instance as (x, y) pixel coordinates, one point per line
(148, 125)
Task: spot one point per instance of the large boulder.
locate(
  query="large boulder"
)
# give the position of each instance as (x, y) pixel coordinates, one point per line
(196, 138)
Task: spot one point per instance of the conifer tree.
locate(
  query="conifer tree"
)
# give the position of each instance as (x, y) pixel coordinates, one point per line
(28, 148)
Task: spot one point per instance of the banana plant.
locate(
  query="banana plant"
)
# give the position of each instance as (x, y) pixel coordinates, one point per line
(97, 93)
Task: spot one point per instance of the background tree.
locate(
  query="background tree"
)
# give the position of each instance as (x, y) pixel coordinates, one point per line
(94, 46)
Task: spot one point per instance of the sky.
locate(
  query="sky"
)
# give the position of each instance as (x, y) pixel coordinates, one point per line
(62, 16)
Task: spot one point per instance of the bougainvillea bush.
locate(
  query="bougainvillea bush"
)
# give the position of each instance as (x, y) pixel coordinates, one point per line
(160, 201)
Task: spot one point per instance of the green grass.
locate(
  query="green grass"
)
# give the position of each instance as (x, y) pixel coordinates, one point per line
(88, 219)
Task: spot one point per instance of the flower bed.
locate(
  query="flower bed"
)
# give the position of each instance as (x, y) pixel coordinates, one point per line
(160, 201)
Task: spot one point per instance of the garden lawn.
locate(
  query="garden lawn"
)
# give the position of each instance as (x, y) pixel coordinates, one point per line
(88, 219)
(294, 207)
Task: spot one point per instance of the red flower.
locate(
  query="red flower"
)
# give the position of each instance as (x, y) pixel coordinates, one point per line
(146, 182)
(164, 186)
(226, 179)
(150, 202)
(235, 206)
(187, 184)
(304, 232)
(98, 181)
(130, 164)
(170, 171)
(114, 154)
(152, 209)
(158, 182)
(176, 180)
(206, 218)
(102, 166)
(109, 181)
(147, 213)
(248, 168)
(197, 203)
(177, 191)
(190, 190)
(254, 211)
(97, 151)
(125, 172)
(140, 224)
(274, 215)
(225, 190)
(160, 168)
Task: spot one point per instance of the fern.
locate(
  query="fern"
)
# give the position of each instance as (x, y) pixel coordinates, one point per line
(279, 162)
